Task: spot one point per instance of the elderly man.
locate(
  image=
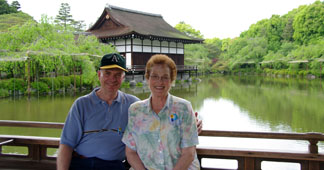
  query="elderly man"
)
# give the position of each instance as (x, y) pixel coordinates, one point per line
(91, 137)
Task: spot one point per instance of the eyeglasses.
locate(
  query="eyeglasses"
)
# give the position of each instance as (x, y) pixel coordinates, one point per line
(157, 78)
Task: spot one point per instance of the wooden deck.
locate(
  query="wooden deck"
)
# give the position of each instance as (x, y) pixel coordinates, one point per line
(247, 159)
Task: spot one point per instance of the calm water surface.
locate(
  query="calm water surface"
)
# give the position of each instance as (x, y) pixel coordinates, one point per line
(260, 104)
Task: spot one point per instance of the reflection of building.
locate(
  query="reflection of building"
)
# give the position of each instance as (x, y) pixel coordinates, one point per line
(138, 35)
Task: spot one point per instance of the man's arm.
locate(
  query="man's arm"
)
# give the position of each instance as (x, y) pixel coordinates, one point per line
(64, 157)
(186, 158)
(133, 159)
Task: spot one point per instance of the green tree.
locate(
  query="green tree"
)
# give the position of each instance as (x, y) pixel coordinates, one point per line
(5, 8)
(64, 17)
(78, 25)
(16, 5)
(308, 24)
(53, 48)
(214, 47)
(188, 30)
(274, 31)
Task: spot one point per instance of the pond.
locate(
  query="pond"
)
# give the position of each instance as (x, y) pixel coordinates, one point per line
(236, 103)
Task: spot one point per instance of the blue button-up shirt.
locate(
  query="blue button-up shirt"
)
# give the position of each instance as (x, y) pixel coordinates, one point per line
(90, 113)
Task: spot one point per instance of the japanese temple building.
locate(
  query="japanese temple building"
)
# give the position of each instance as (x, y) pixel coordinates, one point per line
(139, 35)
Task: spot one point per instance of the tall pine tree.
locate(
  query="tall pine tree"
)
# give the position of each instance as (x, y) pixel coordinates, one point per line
(64, 17)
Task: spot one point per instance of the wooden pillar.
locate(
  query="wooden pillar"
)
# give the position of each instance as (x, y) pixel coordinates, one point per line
(28, 76)
(313, 165)
(321, 70)
(80, 88)
(312, 147)
(249, 163)
(74, 76)
(310, 165)
(133, 77)
(74, 86)
(34, 152)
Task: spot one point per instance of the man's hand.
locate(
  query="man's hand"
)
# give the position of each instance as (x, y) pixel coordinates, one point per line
(199, 123)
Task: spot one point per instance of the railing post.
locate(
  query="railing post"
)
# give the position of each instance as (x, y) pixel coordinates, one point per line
(34, 152)
(312, 147)
(313, 165)
(249, 163)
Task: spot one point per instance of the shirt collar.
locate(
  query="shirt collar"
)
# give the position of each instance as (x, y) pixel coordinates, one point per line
(96, 99)
(166, 106)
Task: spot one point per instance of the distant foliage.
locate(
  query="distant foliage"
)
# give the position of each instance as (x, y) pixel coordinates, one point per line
(268, 45)
(188, 30)
(5, 8)
(309, 23)
(12, 19)
(53, 51)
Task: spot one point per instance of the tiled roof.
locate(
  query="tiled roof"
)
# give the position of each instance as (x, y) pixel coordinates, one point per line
(116, 22)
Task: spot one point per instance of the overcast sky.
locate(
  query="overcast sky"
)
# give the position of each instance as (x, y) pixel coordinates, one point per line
(213, 18)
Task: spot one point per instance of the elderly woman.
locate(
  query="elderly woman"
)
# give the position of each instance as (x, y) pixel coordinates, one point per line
(161, 131)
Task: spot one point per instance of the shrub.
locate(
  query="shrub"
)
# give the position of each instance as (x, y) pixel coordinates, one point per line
(4, 84)
(303, 73)
(178, 81)
(65, 81)
(4, 93)
(125, 84)
(17, 85)
(51, 82)
(40, 87)
(139, 84)
(292, 73)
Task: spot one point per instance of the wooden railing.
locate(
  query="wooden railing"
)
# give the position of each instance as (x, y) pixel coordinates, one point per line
(179, 68)
(247, 159)
(252, 159)
(37, 156)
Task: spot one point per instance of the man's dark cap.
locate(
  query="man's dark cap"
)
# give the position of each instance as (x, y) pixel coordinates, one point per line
(113, 60)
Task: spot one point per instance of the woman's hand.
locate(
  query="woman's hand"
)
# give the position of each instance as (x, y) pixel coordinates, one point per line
(199, 123)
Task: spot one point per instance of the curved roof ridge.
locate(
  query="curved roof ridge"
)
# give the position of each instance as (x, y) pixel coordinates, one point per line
(133, 11)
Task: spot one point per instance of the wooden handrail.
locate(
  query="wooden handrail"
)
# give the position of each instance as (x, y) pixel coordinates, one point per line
(268, 135)
(13, 123)
(311, 137)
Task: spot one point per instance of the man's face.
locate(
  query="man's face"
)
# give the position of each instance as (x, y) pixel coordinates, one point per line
(111, 79)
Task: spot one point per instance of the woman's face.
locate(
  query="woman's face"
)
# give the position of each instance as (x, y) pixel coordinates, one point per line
(159, 80)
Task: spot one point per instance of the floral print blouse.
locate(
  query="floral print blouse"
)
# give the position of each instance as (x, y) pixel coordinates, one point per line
(158, 138)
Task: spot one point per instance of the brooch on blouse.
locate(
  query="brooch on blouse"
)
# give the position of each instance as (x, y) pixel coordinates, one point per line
(174, 120)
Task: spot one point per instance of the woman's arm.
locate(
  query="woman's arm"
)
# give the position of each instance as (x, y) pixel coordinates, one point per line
(186, 158)
(133, 159)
